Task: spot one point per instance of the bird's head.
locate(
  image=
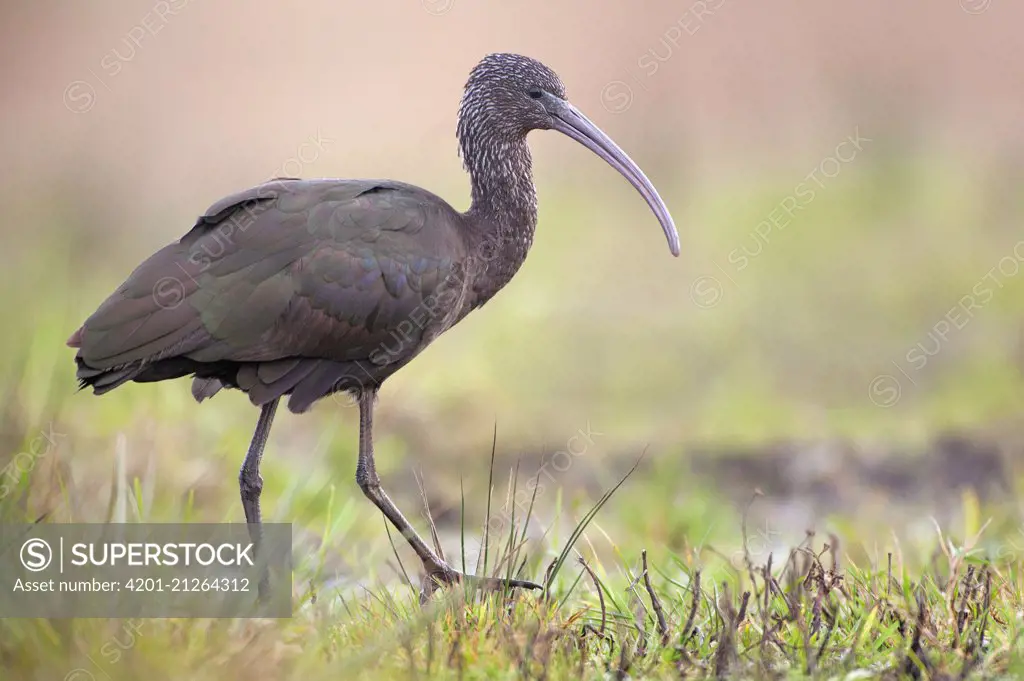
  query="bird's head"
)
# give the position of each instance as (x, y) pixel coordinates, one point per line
(508, 95)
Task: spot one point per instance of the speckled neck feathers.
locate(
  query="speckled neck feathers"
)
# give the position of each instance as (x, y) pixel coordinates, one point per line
(492, 143)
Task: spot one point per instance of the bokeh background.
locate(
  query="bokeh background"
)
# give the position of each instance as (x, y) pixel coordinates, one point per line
(841, 333)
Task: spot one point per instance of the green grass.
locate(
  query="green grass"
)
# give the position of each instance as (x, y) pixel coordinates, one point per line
(699, 604)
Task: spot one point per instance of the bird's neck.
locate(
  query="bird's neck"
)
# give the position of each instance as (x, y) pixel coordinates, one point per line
(503, 211)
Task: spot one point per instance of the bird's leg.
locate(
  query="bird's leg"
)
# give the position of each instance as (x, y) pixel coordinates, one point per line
(250, 484)
(437, 570)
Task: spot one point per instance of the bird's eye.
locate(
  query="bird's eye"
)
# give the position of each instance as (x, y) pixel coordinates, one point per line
(535, 93)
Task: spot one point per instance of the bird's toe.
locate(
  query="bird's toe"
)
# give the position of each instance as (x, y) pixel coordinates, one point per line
(444, 576)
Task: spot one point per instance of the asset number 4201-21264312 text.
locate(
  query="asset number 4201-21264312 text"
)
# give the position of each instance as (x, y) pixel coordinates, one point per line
(187, 584)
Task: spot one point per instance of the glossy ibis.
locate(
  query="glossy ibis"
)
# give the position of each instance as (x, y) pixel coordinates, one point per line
(307, 288)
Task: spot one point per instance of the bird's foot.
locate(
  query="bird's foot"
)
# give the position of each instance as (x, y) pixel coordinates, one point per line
(444, 575)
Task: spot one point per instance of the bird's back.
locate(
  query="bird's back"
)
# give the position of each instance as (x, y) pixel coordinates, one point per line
(300, 287)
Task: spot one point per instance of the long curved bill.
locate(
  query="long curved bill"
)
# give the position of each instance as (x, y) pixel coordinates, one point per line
(570, 121)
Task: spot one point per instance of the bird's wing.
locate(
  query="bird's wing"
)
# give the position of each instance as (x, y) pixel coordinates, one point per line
(331, 269)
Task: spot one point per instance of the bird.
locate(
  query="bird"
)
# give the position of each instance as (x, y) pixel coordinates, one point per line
(301, 289)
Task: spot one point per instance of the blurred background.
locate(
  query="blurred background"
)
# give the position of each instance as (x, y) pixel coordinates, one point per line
(841, 333)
